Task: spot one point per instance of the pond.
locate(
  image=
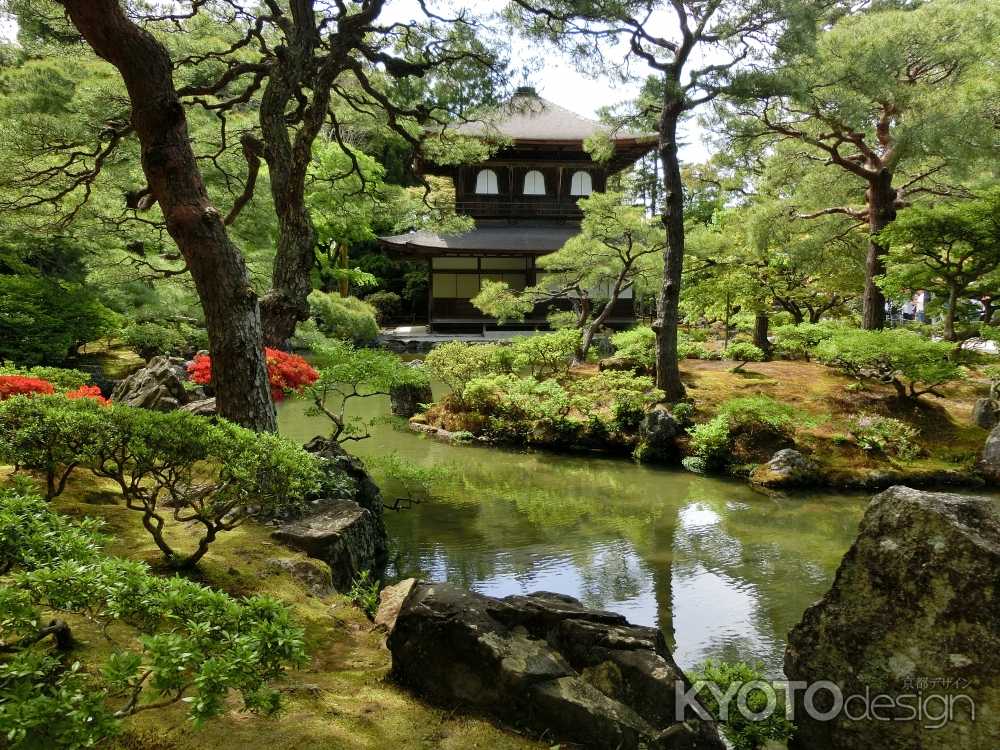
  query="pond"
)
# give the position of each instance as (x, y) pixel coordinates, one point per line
(725, 571)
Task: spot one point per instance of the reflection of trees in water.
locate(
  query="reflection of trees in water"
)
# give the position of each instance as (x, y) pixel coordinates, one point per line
(766, 559)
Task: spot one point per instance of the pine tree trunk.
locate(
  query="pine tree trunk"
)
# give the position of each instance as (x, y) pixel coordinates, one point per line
(220, 275)
(949, 315)
(761, 323)
(881, 212)
(668, 374)
(285, 303)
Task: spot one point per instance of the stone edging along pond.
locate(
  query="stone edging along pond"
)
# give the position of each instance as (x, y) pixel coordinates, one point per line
(804, 475)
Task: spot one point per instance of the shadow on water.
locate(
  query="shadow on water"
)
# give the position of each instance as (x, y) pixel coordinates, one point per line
(724, 570)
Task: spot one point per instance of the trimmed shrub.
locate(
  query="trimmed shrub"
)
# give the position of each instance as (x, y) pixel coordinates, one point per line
(347, 318)
(753, 419)
(911, 364)
(710, 442)
(636, 344)
(455, 363)
(547, 354)
(387, 305)
(150, 339)
(743, 352)
(799, 341)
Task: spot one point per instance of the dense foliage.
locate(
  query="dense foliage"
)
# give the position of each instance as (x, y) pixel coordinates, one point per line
(347, 318)
(188, 643)
(743, 732)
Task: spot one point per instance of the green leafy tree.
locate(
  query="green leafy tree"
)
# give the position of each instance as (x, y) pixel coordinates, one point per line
(895, 97)
(947, 249)
(691, 65)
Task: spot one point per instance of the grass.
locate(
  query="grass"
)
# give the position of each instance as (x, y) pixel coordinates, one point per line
(341, 699)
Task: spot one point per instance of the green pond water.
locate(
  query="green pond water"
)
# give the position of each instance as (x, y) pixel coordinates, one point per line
(723, 570)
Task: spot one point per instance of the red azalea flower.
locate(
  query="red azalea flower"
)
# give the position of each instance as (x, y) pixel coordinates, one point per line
(287, 373)
(88, 391)
(19, 385)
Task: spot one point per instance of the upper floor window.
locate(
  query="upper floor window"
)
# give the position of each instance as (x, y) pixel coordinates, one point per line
(581, 184)
(534, 183)
(486, 182)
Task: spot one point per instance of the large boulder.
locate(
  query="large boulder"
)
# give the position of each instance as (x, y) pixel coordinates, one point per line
(914, 608)
(543, 661)
(787, 468)
(338, 462)
(204, 407)
(405, 400)
(158, 386)
(347, 537)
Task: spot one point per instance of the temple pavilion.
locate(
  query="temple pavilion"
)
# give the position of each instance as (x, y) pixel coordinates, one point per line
(523, 201)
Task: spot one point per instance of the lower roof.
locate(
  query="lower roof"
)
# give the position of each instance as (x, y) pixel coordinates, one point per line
(509, 238)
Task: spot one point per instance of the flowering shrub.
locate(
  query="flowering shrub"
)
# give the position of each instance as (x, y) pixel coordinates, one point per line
(19, 385)
(287, 373)
(891, 437)
(88, 391)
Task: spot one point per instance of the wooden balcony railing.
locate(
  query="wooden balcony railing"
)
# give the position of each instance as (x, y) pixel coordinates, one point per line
(500, 209)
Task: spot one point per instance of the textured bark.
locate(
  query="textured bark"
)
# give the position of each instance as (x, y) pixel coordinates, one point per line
(761, 323)
(881, 212)
(668, 374)
(216, 265)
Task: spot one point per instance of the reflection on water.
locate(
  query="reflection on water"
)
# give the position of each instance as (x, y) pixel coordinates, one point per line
(723, 570)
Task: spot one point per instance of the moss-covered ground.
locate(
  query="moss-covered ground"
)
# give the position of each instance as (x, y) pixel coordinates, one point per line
(340, 699)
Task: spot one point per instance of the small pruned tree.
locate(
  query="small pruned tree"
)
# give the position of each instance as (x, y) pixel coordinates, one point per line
(910, 363)
(51, 434)
(347, 374)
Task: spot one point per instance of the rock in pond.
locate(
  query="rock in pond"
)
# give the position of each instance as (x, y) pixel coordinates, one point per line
(913, 609)
(342, 534)
(787, 468)
(543, 661)
(158, 386)
(658, 435)
(405, 400)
